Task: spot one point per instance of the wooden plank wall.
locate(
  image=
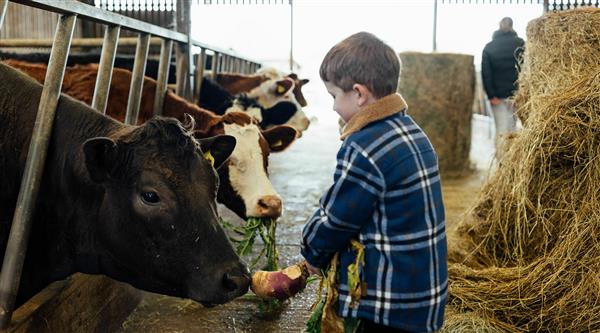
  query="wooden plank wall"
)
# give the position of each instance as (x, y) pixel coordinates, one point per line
(27, 22)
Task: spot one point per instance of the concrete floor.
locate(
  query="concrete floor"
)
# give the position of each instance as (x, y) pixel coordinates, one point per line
(300, 175)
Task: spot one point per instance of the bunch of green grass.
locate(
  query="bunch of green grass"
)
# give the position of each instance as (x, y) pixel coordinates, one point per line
(263, 227)
(266, 229)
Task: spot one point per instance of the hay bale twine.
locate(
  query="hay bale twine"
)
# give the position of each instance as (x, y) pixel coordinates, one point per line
(536, 227)
(439, 89)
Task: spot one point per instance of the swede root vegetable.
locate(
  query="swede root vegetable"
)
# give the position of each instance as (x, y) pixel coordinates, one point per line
(281, 284)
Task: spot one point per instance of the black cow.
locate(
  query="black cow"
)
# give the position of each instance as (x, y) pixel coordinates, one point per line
(135, 203)
(215, 98)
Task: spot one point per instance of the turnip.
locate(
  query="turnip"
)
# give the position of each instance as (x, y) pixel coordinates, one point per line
(281, 284)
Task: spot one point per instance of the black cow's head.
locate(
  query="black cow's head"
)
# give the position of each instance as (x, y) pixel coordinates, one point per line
(159, 228)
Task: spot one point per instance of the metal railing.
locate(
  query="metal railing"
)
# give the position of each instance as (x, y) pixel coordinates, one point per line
(70, 11)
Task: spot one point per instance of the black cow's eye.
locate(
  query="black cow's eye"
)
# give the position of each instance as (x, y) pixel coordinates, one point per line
(150, 197)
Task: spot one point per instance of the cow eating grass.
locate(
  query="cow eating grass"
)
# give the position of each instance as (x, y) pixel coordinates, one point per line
(135, 203)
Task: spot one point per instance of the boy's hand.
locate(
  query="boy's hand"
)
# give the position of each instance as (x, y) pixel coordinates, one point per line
(312, 269)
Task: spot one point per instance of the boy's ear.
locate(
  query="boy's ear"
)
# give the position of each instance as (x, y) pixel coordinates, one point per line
(364, 94)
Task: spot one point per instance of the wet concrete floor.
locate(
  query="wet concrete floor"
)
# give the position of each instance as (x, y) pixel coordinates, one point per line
(300, 175)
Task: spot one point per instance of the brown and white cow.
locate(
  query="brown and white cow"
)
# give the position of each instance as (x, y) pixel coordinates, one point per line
(276, 74)
(216, 99)
(244, 184)
(135, 203)
(269, 89)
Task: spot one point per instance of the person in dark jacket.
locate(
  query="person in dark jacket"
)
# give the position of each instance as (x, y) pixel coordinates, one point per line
(499, 70)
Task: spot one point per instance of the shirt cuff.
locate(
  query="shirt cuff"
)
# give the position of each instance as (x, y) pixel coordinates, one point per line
(318, 259)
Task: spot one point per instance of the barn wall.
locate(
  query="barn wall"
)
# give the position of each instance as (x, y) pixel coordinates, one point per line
(28, 22)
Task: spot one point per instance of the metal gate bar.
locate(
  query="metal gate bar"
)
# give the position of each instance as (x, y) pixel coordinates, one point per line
(3, 9)
(200, 67)
(32, 175)
(137, 79)
(163, 76)
(107, 60)
(214, 66)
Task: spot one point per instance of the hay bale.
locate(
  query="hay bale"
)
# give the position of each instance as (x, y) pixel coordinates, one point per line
(471, 322)
(439, 89)
(537, 223)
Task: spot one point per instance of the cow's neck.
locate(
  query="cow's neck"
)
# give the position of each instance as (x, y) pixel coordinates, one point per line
(71, 245)
(206, 122)
(65, 214)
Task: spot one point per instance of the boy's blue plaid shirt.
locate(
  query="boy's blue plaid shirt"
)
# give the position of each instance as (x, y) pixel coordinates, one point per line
(386, 194)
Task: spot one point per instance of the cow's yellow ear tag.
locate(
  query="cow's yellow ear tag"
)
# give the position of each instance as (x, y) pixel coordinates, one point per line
(277, 143)
(280, 89)
(208, 156)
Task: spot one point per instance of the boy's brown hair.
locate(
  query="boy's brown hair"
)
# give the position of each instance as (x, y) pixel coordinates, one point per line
(364, 59)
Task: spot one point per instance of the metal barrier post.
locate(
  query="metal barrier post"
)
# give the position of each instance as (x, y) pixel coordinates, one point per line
(137, 79)
(183, 51)
(214, 66)
(189, 88)
(21, 225)
(200, 66)
(107, 60)
(224, 63)
(3, 10)
(163, 76)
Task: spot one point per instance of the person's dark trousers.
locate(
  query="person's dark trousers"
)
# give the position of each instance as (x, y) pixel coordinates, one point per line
(371, 327)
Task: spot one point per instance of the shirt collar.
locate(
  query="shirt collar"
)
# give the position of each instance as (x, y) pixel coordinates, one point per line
(380, 109)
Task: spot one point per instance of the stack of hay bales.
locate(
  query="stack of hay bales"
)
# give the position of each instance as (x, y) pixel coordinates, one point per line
(535, 232)
(439, 89)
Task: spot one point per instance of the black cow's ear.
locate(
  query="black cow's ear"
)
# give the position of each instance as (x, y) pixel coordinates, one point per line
(304, 81)
(280, 137)
(217, 149)
(99, 156)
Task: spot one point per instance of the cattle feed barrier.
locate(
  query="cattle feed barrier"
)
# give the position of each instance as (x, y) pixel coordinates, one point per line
(137, 79)
(3, 9)
(163, 72)
(107, 58)
(17, 243)
(70, 11)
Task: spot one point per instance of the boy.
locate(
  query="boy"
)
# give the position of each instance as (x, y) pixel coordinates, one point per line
(386, 194)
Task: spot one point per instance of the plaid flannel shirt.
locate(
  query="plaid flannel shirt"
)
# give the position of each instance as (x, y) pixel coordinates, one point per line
(387, 194)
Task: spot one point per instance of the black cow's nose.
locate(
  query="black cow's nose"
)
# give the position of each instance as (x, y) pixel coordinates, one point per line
(236, 281)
